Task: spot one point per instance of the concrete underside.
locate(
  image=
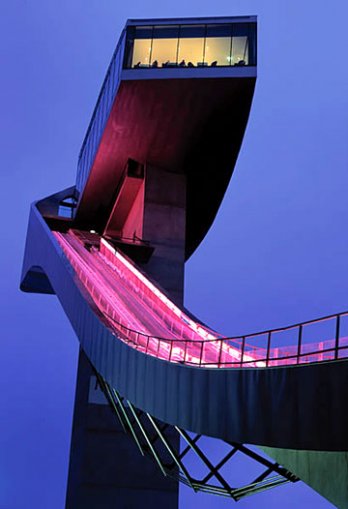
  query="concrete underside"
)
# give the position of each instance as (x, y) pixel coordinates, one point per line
(325, 472)
(193, 127)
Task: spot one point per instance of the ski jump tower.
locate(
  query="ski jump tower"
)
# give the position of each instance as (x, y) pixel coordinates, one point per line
(153, 168)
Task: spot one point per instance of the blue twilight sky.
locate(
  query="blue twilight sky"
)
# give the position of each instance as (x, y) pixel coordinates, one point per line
(277, 253)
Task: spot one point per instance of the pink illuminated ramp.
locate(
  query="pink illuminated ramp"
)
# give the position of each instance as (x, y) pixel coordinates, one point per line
(283, 388)
(141, 315)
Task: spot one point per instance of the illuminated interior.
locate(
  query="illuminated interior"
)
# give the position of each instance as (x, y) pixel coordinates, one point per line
(163, 51)
(191, 46)
(142, 51)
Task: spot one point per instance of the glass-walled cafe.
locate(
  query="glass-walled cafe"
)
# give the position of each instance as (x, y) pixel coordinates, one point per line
(191, 46)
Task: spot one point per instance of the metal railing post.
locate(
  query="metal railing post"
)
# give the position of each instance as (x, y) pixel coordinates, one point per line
(299, 343)
(220, 354)
(185, 351)
(242, 351)
(337, 337)
(201, 353)
(171, 350)
(268, 347)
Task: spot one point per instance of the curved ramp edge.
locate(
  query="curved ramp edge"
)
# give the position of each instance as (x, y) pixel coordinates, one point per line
(300, 407)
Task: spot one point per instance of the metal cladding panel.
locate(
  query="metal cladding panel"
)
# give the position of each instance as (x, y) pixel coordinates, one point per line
(194, 20)
(100, 114)
(301, 407)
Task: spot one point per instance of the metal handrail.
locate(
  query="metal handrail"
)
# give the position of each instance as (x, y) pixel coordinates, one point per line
(232, 338)
(242, 362)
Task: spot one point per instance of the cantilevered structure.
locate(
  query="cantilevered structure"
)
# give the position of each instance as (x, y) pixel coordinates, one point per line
(155, 163)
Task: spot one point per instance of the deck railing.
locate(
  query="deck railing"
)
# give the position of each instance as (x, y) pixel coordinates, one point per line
(216, 353)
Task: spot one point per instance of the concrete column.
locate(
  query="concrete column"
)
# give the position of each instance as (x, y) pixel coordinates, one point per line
(106, 469)
(165, 227)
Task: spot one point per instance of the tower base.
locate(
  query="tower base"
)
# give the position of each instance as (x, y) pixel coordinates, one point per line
(106, 470)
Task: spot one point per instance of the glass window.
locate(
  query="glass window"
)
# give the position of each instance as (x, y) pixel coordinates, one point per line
(143, 32)
(70, 200)
(140, 47)
(191, 45)
(166, 32)
(66, 207)
(240, 44)
(218, 51)
(191, 52)
(192, 31)
(64, 211)
(164, 52)
(141, 53)
(165, 46)
(240, 53)
(218, 45)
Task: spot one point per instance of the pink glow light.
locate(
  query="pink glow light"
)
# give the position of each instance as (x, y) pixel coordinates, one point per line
(144, 317)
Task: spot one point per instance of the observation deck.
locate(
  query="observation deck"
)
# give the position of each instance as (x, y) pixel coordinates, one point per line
(176, 93)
